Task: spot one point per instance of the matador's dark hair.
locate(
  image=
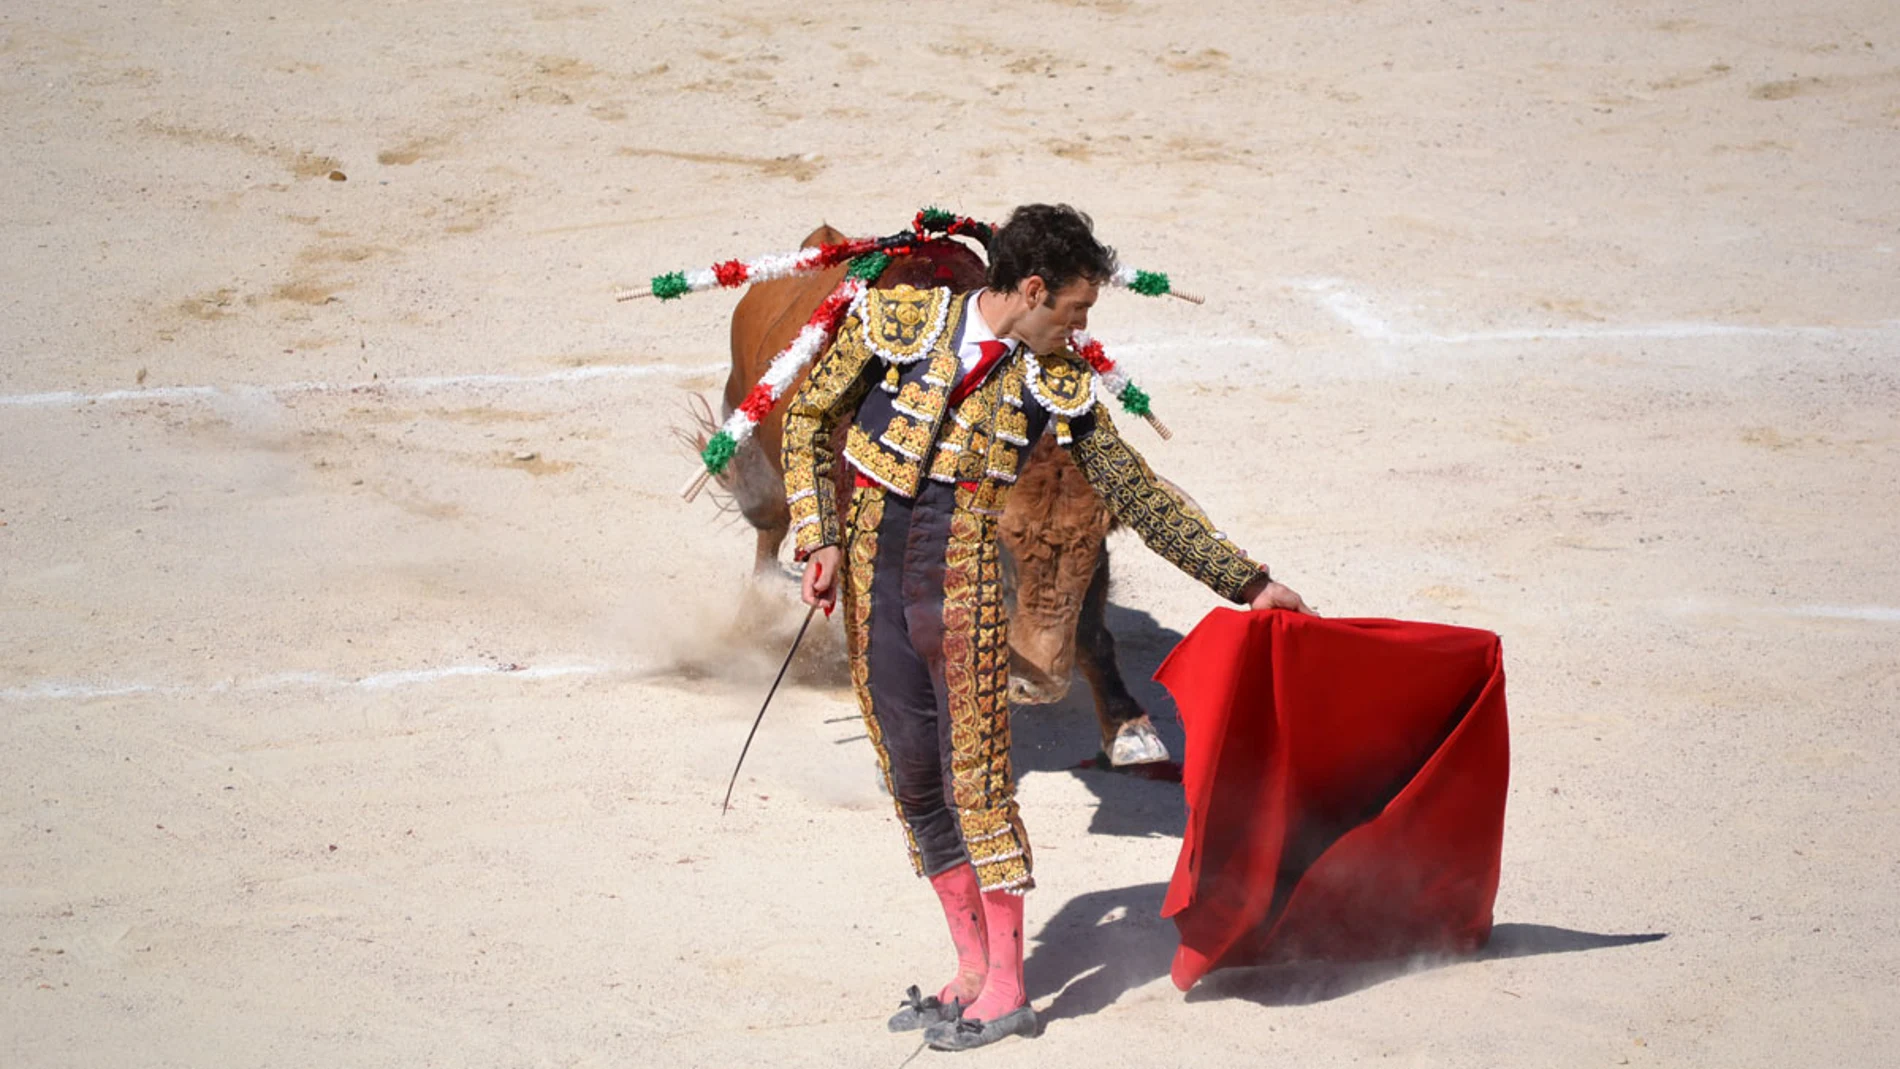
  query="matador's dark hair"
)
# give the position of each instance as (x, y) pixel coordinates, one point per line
(1051, 240)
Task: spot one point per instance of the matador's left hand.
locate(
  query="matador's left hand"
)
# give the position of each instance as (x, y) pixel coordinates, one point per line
(1277, 595)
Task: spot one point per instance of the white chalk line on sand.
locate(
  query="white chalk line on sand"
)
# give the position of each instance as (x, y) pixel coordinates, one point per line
(319, 681)
(1356, 311)
(1359, 313)
(1875, 614)
(416, 384)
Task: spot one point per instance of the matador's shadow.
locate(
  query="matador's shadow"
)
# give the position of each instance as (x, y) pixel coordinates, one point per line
(1104, 943)
(1060, 737)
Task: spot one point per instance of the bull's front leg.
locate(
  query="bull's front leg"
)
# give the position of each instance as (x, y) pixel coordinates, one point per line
(1128, 735)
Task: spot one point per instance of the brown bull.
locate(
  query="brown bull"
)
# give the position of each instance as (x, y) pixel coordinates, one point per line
(1053, 530)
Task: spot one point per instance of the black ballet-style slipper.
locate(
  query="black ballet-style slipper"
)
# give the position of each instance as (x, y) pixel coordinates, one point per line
(969, 1033)
(919, 1011)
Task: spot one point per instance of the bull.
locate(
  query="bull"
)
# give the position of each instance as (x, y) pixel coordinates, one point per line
(1054, 529)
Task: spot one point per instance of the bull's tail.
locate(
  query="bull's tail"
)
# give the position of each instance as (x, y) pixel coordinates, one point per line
(700, 425)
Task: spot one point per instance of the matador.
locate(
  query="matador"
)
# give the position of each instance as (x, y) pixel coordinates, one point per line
(943, 395)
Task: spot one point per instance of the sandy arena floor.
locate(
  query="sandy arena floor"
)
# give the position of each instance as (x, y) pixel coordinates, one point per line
(368, 692)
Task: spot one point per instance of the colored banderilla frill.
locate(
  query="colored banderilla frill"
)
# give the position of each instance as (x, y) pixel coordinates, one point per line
(811, 340)
(867, 257)
(732, 274)
(1151, 284)
(1134, 400)
(735, 273)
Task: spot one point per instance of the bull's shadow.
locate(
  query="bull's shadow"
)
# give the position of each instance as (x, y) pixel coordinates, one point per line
(1104, 943)
(1059, 737)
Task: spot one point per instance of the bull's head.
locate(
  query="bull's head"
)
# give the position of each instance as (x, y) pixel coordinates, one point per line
(1053, 532)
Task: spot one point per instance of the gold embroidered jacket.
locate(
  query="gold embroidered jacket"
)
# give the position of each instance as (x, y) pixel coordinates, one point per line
(890, 371)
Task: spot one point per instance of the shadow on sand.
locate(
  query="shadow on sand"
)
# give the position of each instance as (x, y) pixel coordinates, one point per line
(1059, 737)
(1102, 944)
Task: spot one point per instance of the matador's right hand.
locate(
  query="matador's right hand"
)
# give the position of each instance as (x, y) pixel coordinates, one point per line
(1280, 596)
(820, 588)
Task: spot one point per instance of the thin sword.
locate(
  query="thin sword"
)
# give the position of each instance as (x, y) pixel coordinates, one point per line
(760, 719)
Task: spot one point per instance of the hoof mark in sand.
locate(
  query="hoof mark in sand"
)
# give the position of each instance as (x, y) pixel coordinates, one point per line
(1180, 59)
(307, 291)
(214, 305)
(1714, 72)
(300, 163)
(1789, 87)
(563, 14)
(1809, 84)
(411, 151)
(542, 94)
(533, 463)
(1451, 597)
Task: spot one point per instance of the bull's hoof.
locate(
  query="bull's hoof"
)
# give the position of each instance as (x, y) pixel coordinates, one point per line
(1137, 743)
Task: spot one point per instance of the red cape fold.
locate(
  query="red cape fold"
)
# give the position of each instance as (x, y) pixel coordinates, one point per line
(1345, 785)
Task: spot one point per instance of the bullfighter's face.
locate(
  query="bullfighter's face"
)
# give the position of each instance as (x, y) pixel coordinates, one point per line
(1052, 315)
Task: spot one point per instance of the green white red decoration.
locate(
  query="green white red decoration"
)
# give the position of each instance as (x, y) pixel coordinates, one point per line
(732, 274)
(1149, 284)
(1134, 400)
(811, 340)
(867, 257)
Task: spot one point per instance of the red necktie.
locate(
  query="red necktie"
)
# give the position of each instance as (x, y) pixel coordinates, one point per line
(992, 352)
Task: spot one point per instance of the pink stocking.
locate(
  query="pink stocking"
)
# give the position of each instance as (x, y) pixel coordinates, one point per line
(963, 907)
(1003, 989)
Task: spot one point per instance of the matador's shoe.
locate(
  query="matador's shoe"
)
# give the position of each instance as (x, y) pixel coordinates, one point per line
(919, 1011)
(968, 1033)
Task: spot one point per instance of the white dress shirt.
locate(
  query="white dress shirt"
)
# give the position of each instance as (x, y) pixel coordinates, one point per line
(975, 331)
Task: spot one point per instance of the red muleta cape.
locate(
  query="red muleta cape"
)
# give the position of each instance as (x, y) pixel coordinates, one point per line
(1345, 785)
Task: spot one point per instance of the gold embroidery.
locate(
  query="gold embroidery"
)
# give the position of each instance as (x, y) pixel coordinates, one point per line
(951, 451)
(1011, 429)
(1060, 383)
(909, 437)
(974, 410)
(896, 458)
(970, 464)
(976, 678)
(903, 323)
(1010, 382)
(798, 482)
(890, 470)
(831, 393)
(1002, 461)
(1012, 425)
(914, 397)
(943, 368)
